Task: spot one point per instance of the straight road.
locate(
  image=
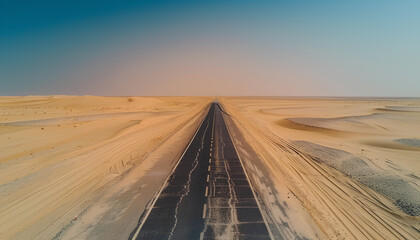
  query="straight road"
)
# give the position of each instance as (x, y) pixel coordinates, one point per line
(208, 196)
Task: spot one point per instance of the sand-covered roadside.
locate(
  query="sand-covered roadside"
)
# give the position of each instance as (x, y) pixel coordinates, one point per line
(332, 168)
(100, 158)
(323, 168)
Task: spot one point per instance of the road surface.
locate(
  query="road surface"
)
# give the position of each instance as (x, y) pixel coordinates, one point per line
(208, 195)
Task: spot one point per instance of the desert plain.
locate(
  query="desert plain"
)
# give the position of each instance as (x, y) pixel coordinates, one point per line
(85, 167)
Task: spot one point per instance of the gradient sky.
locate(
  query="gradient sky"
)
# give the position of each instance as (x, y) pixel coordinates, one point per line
(276, 48)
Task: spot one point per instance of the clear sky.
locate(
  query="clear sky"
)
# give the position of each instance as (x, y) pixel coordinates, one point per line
(283, 48)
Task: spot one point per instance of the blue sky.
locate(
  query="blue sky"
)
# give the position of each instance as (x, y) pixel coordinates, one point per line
(284, 48)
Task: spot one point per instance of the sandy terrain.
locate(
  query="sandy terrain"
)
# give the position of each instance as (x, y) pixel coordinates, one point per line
(98, 158)
(322, 168)
(332, 168)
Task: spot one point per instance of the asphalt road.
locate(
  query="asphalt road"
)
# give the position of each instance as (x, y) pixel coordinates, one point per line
(208, 196)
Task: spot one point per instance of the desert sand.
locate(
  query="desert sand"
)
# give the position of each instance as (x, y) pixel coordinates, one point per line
(333, 168)
(85, 167)
(66, 156)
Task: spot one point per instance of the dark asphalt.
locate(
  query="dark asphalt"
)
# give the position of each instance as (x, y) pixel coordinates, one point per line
(208, 195)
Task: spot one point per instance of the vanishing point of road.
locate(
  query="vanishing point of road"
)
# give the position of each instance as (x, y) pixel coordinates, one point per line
(208, 195)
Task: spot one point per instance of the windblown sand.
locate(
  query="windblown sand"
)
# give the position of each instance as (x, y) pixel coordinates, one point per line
(98, 158)
(338, 168)
(322, 168)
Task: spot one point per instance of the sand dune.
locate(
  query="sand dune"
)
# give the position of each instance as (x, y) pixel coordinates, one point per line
(373, 123)
(400, 108)
(328, 164)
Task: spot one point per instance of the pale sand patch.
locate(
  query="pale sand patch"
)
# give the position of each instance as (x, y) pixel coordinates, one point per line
(340, 204)
(59, 155)
(404, 195)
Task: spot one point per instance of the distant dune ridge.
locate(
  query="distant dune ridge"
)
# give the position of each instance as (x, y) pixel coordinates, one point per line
(85, 167)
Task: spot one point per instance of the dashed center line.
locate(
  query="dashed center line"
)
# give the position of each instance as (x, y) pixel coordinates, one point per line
(204, 210)
(223, 205)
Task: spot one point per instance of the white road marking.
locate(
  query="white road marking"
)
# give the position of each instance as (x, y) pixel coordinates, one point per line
(210, 154)
(209, 160)
(204, 210)
(207, 188)
(208, 169)
(208, 178)
(211, 149)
